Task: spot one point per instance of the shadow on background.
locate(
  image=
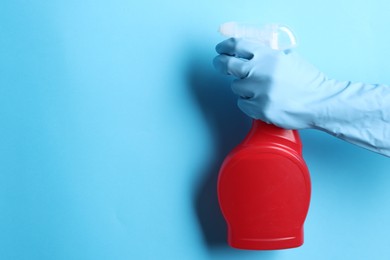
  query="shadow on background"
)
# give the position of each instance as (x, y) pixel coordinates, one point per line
(228, 126)
(344, 168)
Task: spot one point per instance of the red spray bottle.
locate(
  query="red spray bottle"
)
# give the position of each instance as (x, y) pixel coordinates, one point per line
(264, 184)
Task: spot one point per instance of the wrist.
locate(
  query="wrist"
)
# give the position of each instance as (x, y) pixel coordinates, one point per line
(329, 108)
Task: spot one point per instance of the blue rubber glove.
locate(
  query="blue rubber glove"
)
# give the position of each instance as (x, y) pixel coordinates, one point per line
(284, 89)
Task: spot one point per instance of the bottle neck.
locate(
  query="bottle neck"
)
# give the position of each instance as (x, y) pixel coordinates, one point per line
(262, 132)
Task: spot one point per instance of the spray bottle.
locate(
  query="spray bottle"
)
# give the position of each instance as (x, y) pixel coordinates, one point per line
(264, 184)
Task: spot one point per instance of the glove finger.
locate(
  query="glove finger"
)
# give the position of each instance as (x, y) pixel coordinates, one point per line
(252, 109)
(237, 47)
(231, 66)
(249, 88)
(243, 90)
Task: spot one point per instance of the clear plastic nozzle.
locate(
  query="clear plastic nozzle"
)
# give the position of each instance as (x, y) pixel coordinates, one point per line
(275, 36)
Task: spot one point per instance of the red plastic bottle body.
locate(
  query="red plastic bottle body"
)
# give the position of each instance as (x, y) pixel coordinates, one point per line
(264, 190)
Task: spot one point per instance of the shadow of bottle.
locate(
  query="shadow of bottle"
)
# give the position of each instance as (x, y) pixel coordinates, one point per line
(228, 126)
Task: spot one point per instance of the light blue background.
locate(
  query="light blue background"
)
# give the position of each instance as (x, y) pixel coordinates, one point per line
(113, 124)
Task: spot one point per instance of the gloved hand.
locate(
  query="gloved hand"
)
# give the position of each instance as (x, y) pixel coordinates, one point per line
(284, 89)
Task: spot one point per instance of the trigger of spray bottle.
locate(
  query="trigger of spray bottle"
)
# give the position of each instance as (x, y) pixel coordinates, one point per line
(264, 184)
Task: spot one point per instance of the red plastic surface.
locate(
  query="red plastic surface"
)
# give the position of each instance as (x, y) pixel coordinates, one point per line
(264, 190)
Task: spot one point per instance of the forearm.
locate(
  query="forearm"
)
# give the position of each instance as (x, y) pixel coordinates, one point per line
(358, 113)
